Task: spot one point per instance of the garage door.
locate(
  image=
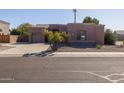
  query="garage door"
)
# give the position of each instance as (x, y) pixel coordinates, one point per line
(37, 38)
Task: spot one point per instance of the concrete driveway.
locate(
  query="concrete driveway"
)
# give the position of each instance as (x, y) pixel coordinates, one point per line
(21, 49)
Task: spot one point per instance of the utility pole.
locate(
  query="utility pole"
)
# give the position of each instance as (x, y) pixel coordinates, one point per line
(74, 11)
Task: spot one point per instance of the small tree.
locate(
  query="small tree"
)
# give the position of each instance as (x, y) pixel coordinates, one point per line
(96, 21)
(89, 19)
(24, 27)
(15, 31)
(109, 37)
(55, 38)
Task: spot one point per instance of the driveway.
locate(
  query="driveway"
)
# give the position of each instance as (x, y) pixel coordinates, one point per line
(21, 49)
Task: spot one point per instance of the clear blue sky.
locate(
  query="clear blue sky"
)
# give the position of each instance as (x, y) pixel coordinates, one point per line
(111, 18)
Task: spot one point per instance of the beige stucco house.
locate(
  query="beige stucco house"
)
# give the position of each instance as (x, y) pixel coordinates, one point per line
(77, 32)
(36, 35)
(4, 27)
(80, 32)
(119, 35)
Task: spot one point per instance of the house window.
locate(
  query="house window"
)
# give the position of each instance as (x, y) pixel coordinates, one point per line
(72, 36)
(0, 30)
(81, 35)
(55, 30)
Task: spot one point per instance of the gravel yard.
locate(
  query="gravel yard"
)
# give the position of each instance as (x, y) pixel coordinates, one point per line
(105, 48)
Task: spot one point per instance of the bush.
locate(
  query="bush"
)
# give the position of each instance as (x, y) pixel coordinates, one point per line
(18, 32)
(109, 37)
(98, 46)
(123, 42)
(25, 34)
(15, 32)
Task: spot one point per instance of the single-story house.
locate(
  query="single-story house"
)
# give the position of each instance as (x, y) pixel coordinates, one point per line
(4, 27)
(77, 32)
(5, 36)
(119, 34)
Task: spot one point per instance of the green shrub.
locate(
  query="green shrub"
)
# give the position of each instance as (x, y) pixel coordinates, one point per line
(89, 19)
(18, 32)
(55, 38)
(109, 37)
(98, 46)
(24, 34)
(15, 32)
(123, 42)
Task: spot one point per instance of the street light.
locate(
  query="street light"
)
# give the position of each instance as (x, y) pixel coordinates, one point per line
(74, 11)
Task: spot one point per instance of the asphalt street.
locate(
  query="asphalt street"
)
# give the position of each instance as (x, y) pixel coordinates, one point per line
(61, 70)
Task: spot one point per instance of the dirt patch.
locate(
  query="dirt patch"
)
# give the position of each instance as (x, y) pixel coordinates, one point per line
(104, 48)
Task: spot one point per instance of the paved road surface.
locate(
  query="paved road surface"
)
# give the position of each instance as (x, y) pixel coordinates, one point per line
(51, 69)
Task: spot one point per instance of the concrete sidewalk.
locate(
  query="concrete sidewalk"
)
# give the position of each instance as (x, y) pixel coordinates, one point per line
(20, 49)
(87, 54)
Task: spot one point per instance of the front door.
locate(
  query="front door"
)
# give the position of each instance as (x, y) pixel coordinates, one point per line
(81, 35)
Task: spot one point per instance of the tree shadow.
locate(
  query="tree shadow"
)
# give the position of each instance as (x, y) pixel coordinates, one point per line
(45, 53)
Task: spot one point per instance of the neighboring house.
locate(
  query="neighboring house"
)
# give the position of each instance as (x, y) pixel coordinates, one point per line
(4, 27)
(119, 34)
(77, 32)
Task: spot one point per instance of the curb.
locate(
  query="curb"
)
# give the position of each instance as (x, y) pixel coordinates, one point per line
(74, 54)
(88, 54)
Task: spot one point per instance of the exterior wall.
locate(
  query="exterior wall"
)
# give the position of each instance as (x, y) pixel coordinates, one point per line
(5, 28)
(13, 38)
(57, 27)
(4, 38)
(53, 27)
(99, 34)
(8, 38)
(119, 35)
(42, 25)
(93, 33)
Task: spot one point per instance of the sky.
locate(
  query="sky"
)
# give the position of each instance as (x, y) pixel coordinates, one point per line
(111, 18)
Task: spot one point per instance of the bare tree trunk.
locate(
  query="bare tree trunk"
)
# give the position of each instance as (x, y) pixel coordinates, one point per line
(54, 46)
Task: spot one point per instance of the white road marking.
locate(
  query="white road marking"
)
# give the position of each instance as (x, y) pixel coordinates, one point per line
(106, 77)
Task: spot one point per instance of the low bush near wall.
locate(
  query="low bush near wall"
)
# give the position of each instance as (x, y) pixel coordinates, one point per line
(98, 46)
